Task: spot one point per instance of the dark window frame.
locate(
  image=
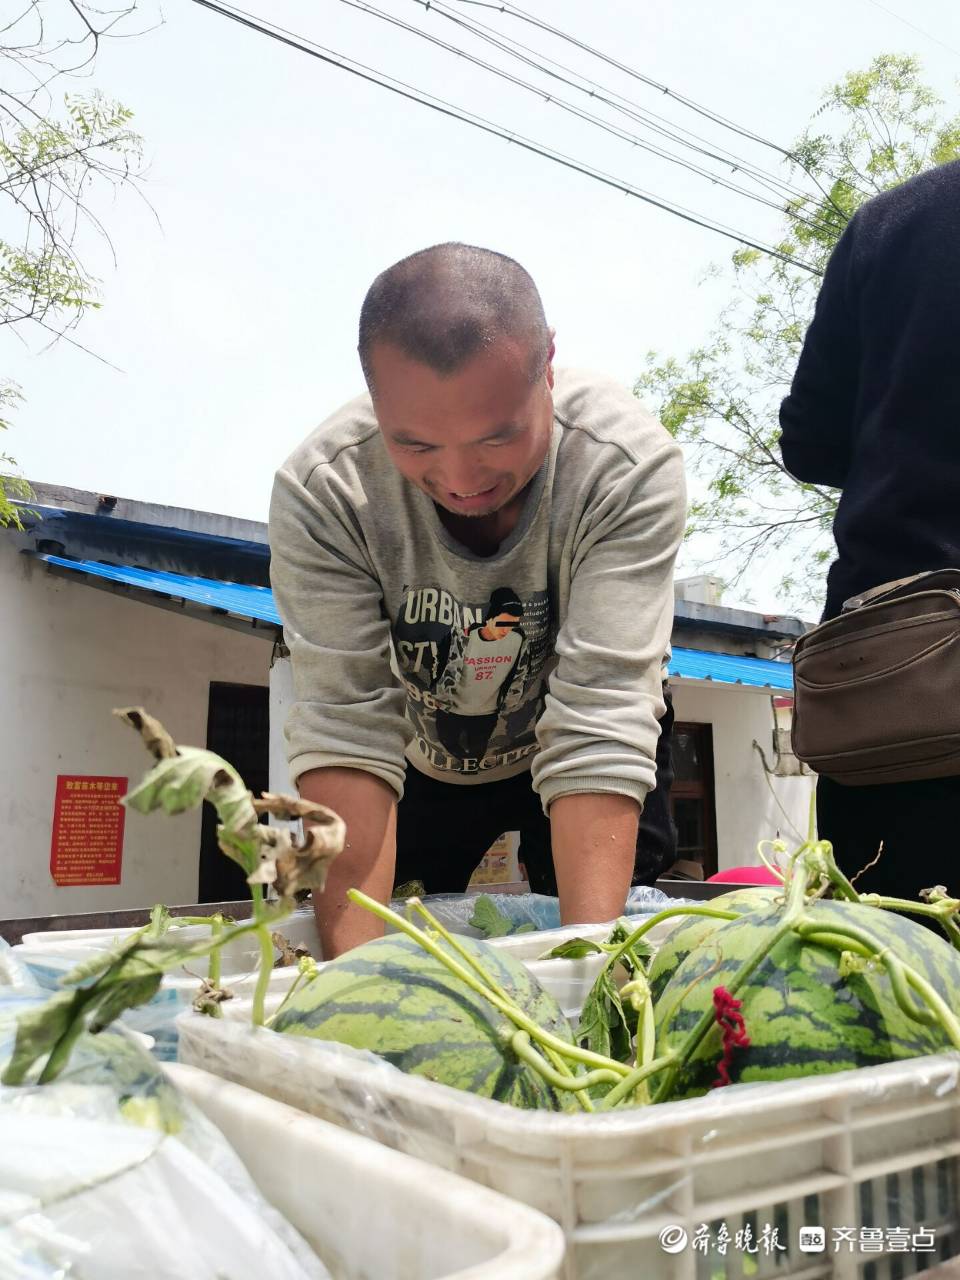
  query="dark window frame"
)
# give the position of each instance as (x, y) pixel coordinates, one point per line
(701, 789)
(219, 878)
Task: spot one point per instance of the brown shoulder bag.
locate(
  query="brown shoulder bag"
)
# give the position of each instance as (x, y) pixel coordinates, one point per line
(877, 690)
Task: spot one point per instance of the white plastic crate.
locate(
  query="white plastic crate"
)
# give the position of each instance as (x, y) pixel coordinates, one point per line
(370, 1213)
(878, 1147)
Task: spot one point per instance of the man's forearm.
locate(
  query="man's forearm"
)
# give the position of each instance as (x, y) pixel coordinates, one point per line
(368, 807)
(594, 838)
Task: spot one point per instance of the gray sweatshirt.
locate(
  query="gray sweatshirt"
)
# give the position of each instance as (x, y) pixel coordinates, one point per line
(384, 611)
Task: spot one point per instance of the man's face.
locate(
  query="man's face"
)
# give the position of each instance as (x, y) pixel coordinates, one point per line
(471, 440)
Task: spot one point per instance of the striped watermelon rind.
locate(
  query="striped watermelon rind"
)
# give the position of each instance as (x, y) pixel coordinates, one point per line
(394, 999)
(691, 932)
(803, 1017)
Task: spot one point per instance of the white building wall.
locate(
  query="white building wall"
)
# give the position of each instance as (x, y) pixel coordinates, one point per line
(751, 806)
(68, 655)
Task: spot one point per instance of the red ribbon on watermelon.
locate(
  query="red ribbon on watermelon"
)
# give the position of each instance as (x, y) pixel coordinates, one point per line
(726, 1011)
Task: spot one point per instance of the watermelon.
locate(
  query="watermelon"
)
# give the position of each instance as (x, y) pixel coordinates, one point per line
(802, 1016)
(396, 1000)
(692, 931)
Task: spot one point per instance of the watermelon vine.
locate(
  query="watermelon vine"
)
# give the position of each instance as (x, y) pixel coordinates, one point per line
(825, 978)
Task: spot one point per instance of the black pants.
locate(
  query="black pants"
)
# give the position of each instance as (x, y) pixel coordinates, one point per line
(915, 821)
(445, 828)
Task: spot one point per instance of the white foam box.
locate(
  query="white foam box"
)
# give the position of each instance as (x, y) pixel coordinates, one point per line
(370, 1213)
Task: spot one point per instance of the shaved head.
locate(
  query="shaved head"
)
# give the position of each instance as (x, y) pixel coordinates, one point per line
(445, 305)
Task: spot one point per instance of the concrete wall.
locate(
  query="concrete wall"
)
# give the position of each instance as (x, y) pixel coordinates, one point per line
(68, 655)
(750, 806)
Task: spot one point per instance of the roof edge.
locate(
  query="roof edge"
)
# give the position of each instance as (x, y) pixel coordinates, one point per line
(51, 498)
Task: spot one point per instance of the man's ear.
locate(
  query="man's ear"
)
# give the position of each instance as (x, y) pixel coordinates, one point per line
(551, 352)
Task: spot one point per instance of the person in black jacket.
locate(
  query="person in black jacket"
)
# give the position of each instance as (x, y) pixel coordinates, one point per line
(874, 410)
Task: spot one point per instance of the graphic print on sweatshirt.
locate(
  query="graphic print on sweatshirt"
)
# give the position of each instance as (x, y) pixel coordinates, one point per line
(471, 674)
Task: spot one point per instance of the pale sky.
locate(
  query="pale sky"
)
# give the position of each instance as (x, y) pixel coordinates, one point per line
(282, 186)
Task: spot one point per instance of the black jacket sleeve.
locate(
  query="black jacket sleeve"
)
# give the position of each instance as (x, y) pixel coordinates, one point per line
(817, 417)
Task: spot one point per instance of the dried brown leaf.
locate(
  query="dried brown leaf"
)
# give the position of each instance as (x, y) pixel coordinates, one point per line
(289, 954)
(290, 808)
(291, 866)
(209, 998)
(158, 742)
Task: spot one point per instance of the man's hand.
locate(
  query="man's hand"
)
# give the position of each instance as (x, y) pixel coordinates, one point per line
(594, 838)
(368, 806)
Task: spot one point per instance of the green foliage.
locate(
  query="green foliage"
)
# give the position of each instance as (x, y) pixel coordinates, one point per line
(56, 156)
(606, 1026)
(11, 484)
(872, 131)
(491, 921)
(47, 166)
(603, 1025)
(574, 949)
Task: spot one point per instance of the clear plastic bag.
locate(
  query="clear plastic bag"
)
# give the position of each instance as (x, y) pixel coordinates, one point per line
(13, 973)
(108, 1173)
(455, 910)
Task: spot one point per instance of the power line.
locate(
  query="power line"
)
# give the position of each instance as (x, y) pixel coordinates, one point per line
(441, 106)
(907, 23)
(651, 120)
(598, 122)
(514, 11)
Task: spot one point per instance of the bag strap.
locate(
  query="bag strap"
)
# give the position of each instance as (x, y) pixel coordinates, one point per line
(890, 588)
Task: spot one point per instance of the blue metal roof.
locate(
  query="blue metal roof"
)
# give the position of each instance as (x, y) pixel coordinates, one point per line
(257, 602)
(728, 668)
(228, 597)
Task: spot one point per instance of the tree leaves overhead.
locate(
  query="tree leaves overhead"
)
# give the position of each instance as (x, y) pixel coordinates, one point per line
(872, 131)
(59, 154)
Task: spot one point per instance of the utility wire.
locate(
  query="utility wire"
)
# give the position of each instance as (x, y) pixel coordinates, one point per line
(412, 94)
(597, 121)
(514, 11)
(907, 23)
(662, 125)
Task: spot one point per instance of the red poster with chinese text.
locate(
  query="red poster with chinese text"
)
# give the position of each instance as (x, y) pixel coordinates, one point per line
(87, 844)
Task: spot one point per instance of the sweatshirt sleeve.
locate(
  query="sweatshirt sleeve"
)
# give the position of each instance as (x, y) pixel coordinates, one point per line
(599, 727)
(348, 709)
(816, 418)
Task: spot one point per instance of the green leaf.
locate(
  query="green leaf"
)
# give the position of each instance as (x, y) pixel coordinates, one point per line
(184, 781)
(489, 919)
(140, 957)
(573, 949)
(40, 1030)
(603, 1025)
(121, 997)
(641, 949)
